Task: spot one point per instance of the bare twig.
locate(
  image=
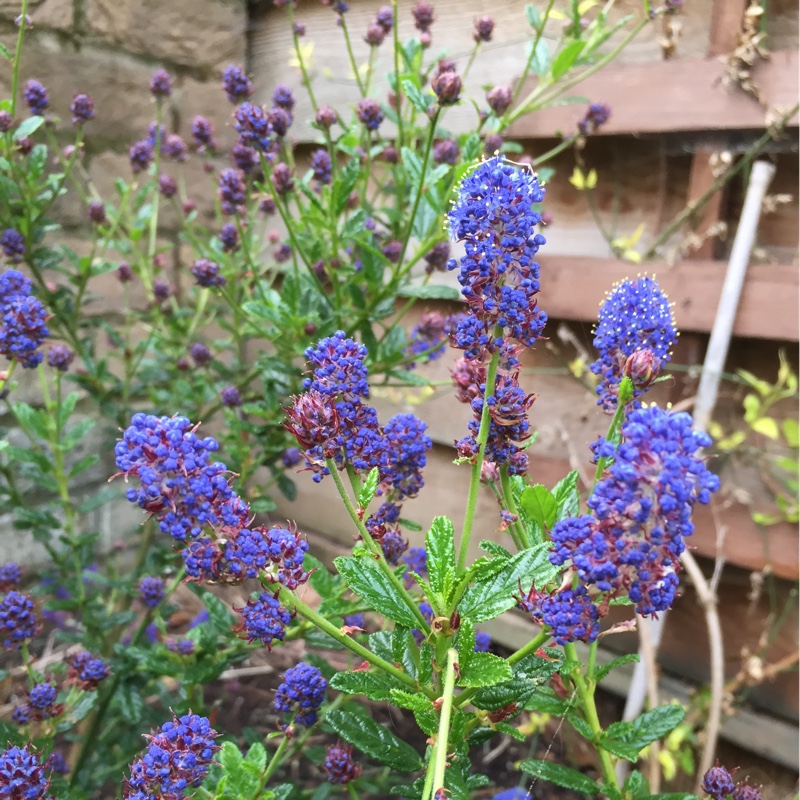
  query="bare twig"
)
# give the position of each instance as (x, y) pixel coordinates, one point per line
(647, 652)
(708, 601)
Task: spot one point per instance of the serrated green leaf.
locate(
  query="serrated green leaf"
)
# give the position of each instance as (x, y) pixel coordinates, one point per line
(365, 578)
(492, 698)
(539, 505)
(582, 727)
(441, 556)
(229, 757)
(629, 658)
(422, 707)
(374, 740)
(489, 598)
(567, 497)
(541, 58)
(219, 615)
(484, 669)
(510, 730)
(495, 549)
(627, 739)
(368, 488)
(412, 92)
(130, 702)
(257, 756)
(560, 775)
(636, 786)
(375, 686)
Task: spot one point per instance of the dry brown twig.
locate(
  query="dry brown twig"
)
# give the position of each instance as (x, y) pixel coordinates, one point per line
(748, 52)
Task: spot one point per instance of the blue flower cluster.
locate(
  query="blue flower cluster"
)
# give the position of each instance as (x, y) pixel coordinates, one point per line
(494, 216)
(340, 766)
(634, 335)
(151, 591)
(264, 620)
(509, 429)
(10, 576)
(570, 614)
(321, 166)
(41, 704)
(87, 671)
(176, 760)
(236, 84)
(642, 510)
(482, 642)
(406, 446)
(13, 244)
(301, 693)
(22, 775)
(206, 272)
(17, 621)
(23, 319)
(255, 128)
(416, 560)
(718, 784)
(232, 191)
(35, 95)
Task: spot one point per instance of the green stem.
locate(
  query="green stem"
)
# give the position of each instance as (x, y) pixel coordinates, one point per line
(586, 694)
(374, 547)
(554, 151)
(4, 381)
(532, 54)
(398, 88)
(292, 601)
(439, 755)
(351, 55)
(624, 396)
(421, 189)
(511, 505)
(275, 761)
(475, 478)
(300, 61)
(18, 57)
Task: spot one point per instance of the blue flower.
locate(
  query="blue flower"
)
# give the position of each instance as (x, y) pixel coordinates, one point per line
(87, 671)
(264, 620)
(22, 775)
(301, 693)
(717, 782)
(10, 576)
(340, 766)
(636, 318)
(36, 97)
(22, 320)
(151, 591)
(482, 642)
(13, 244)
(231, 191)
(236, 84)
(254, 128)
(17, 620)
(406, 446)
(570, 614)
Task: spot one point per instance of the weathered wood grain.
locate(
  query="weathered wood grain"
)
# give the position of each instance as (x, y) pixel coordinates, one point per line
(677, 95)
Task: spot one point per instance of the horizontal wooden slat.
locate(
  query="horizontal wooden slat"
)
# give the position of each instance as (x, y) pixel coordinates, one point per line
(573, 287)
(685, 94)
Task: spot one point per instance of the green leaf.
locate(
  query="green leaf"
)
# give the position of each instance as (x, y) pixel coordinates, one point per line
(130, 702)
(566, 777)
(510, 730)
(219, 616)
(365, 578)
(636, 786)
(791, 432)
(257, 755)
(565, 59)
(517, 690)
(97, 499)
(368, 488)
(567, 497)
(374, 740)
(626, 739)
(539, 505)
(629, 658)
(430, 292)
(484, 669)
(532, 15)
(421, 706)
(441, 556)
(229, 757)
(495, 549)
(541, 58)
(416, 97)
(28, 127)
(489, 598)
(375, 686)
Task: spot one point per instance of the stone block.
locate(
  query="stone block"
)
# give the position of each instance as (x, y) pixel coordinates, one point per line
(202, 34)
(117, 82)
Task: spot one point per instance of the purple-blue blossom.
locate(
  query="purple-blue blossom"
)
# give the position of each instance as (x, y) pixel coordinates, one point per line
(151, 591)
(35, 96)
(22, 320)
(264, 620)
(236, 84)
(635, 324)
(17, 620)
(87, 671)
(301, 693)
(340, 766)
(22, 774)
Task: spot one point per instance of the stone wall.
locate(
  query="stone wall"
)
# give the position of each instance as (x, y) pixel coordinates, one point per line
(109, 49)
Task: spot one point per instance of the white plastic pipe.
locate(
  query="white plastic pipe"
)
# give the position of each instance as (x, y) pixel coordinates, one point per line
(760, 177)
